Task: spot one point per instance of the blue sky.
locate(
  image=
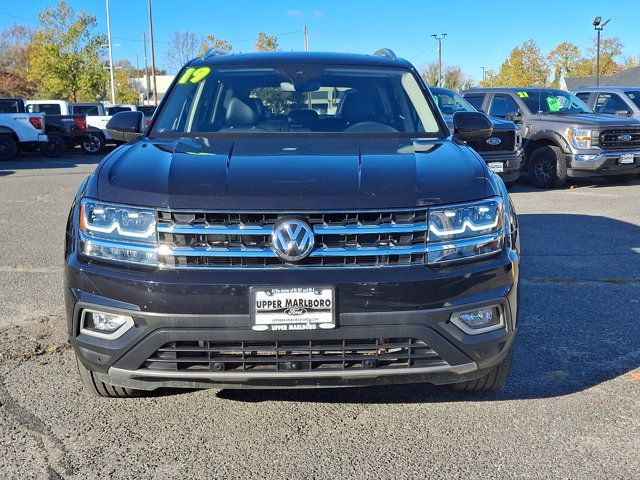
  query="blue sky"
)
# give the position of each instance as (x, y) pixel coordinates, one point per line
(479, 33)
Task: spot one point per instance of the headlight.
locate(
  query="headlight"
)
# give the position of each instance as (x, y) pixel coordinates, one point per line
(459, 233)
(118, 233)
(582, 137)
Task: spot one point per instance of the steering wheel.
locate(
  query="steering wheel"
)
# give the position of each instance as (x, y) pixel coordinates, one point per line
(370, 126)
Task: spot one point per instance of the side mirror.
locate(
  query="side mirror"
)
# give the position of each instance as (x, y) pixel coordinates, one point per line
(514, 117)
(126, 126)
(471, 126)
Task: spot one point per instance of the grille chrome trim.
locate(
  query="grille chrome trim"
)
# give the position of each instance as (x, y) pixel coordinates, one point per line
(204, 239)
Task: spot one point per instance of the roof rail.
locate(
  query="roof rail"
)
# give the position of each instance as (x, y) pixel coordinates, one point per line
(213, 52)
(385, 52)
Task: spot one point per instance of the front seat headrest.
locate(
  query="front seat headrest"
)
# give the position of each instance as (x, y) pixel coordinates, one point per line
(239, 114)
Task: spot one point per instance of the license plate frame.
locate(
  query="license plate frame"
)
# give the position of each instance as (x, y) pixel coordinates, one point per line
(297, 314)
(627, 159)
(496, 167)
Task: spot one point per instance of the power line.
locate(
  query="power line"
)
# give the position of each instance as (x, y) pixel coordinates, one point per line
(18, 18)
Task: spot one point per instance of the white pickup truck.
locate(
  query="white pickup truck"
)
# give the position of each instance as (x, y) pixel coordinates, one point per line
(96, 117)
(19, 130)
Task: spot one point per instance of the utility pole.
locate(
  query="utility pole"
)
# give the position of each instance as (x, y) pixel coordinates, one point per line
(153, 57)
(306, 38)
(305, 32)
(439, 39)
(146, 68)
(113, 84)
(484, 73)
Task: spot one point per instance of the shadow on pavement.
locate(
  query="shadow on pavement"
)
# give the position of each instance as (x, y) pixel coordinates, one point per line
(575, 331)
(35, 161)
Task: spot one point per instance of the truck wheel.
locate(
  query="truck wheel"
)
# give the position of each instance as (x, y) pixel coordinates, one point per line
(8, 147)
(624, 178)
(54, 147)
(92, 143)
(492, 381)
(547, 167)
(100, 389)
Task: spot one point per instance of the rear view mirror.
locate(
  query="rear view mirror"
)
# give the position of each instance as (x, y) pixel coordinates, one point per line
(514, 116)
(126, 126)
(471, 126)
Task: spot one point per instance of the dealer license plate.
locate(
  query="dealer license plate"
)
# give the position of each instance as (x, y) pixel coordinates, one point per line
(497, 167)
(626, 158)
(293, 308)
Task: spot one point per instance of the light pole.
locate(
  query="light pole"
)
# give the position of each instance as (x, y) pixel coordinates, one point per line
(484, 73)
(113, 84)
(439, 39)
(599, 26)
(153, 56)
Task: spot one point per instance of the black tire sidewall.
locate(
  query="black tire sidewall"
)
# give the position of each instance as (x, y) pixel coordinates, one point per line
(10, 150)
(55, 146)
(99, 137)
(556, 166)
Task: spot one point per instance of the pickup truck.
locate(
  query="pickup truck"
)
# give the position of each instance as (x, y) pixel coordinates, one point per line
(19, 130)
(622, 101)
(97, 117)
(502, 150)
(64, 130)
(562, 136)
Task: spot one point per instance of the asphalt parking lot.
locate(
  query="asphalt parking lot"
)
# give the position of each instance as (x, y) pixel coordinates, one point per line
(570, 410)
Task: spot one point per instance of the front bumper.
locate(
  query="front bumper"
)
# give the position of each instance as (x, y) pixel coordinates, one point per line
(213, 306)
(605, 163)
(508, 164)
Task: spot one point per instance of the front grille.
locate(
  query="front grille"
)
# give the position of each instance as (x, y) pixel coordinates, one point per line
(507, 142)
(610, 139)
(352, 239)
(280, 356)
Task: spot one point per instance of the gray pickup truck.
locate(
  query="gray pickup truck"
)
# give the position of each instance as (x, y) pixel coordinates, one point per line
(562, 136)
(623, 101)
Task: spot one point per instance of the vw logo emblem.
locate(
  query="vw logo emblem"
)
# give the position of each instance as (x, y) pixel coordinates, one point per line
(494, 141)
(292, 239)
(625, 137)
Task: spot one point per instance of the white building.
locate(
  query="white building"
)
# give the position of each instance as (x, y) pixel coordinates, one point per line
(144, 84)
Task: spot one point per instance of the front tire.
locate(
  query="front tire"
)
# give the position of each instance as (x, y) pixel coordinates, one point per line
(492, 381)
(99, 388)
(624, 178)
(547, 167)
(8, 148)
(55, 147)
(93, 143)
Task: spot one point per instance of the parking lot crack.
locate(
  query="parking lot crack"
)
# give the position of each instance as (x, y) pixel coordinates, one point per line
(54, 450)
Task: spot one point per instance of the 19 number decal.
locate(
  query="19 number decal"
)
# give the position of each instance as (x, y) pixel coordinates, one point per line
(194, 75)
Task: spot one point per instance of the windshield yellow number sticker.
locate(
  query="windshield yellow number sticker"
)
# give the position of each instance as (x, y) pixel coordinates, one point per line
(194, 75)
(523, 94)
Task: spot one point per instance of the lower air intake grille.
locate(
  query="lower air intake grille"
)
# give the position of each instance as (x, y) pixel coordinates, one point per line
(206, 356)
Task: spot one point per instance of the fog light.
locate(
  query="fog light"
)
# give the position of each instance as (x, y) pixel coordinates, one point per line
(480, 320)
(104, 325)
(585, 158)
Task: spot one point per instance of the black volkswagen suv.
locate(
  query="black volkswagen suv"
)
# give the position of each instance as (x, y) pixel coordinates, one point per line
(292, 220)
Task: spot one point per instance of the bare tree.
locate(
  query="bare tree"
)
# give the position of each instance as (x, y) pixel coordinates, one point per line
(183, 46)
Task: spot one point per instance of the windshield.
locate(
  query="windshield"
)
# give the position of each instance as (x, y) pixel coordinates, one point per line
(553, 102)
(634, 96)
(296, 99)
(86, 110)
(450, 102)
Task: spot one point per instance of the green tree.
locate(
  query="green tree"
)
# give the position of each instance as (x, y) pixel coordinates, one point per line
(266, 43)
(64, 59)
(564, 60)
(125, 91)
(211, 41)
(525, 66)
(610, 48)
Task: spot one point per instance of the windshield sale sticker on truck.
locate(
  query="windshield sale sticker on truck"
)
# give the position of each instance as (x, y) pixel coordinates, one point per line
(296, 308)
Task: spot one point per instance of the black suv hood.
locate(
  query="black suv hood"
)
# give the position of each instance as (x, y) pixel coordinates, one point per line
(289, 174)
(590, 120)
